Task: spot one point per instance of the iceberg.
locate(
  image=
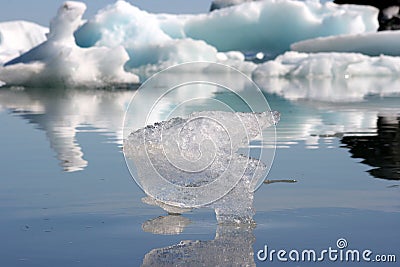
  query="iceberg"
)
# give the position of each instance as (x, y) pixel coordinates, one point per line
(122, 44)
(320, 65)
(17, 37)
(251, 26)
(194, 162)
(373, 44)
(329, 76)
(59, 61)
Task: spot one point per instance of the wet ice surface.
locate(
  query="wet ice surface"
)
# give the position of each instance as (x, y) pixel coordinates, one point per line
(199, 159)
(94, 215)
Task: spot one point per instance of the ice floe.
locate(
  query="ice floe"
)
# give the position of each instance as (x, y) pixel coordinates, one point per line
(122, 44)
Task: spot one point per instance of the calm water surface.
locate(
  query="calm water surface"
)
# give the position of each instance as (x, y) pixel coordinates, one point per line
(67, 198)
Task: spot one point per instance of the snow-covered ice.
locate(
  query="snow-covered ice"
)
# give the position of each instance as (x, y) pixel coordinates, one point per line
(329, 76)
(59, 61)
(122, 43)
(373, 44)
(251, 26)
(318, 65)
(17, 37)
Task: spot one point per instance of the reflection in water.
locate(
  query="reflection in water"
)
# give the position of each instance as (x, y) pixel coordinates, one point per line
(232, 246)
(65, 113)
(381, 151)
(166, 225)
(62, 114)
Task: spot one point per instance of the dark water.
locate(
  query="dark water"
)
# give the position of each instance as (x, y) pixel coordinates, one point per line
(67, 198)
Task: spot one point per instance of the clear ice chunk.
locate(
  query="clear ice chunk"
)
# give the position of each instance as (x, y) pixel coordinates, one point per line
(193, 162)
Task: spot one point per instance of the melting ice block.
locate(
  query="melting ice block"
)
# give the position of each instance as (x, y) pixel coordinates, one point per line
(194, 162)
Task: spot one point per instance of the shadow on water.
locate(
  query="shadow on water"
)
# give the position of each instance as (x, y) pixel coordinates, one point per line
(381, 151)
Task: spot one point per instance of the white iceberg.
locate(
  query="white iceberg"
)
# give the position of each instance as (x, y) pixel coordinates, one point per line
(17, 37)
(319, 65)
(123, 44)
(372, 44)
(329, 76)
(251, 26)
(60, 61)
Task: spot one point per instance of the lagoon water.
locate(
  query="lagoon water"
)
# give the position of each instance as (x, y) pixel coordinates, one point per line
(67, 198)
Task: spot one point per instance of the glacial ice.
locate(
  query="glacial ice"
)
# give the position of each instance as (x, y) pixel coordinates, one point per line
(59, 61)
(329, 76)
(372, 44)
(123, 44)
(319, 65)
(194, 162)
(251, 26)
(17, 37)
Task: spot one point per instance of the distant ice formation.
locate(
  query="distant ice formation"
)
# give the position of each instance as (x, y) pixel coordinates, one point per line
(346, 65)
(194, 162)
(122, 44)
(372, 44)
(17, 37)
(251, 26)
(329, 76)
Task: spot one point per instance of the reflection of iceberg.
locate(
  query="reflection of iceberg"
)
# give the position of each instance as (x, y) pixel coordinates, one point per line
(232, 246)
(193, 162)
(62, 114)
(381, 151)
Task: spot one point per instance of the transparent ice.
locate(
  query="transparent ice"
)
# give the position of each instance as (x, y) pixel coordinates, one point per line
(194, 161)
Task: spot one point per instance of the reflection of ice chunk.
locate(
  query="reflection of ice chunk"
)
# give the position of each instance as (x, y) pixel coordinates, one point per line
(232, 246)
(373, 44)
(194, 161)
(166, 225)
(17, 37)
(60, 61)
